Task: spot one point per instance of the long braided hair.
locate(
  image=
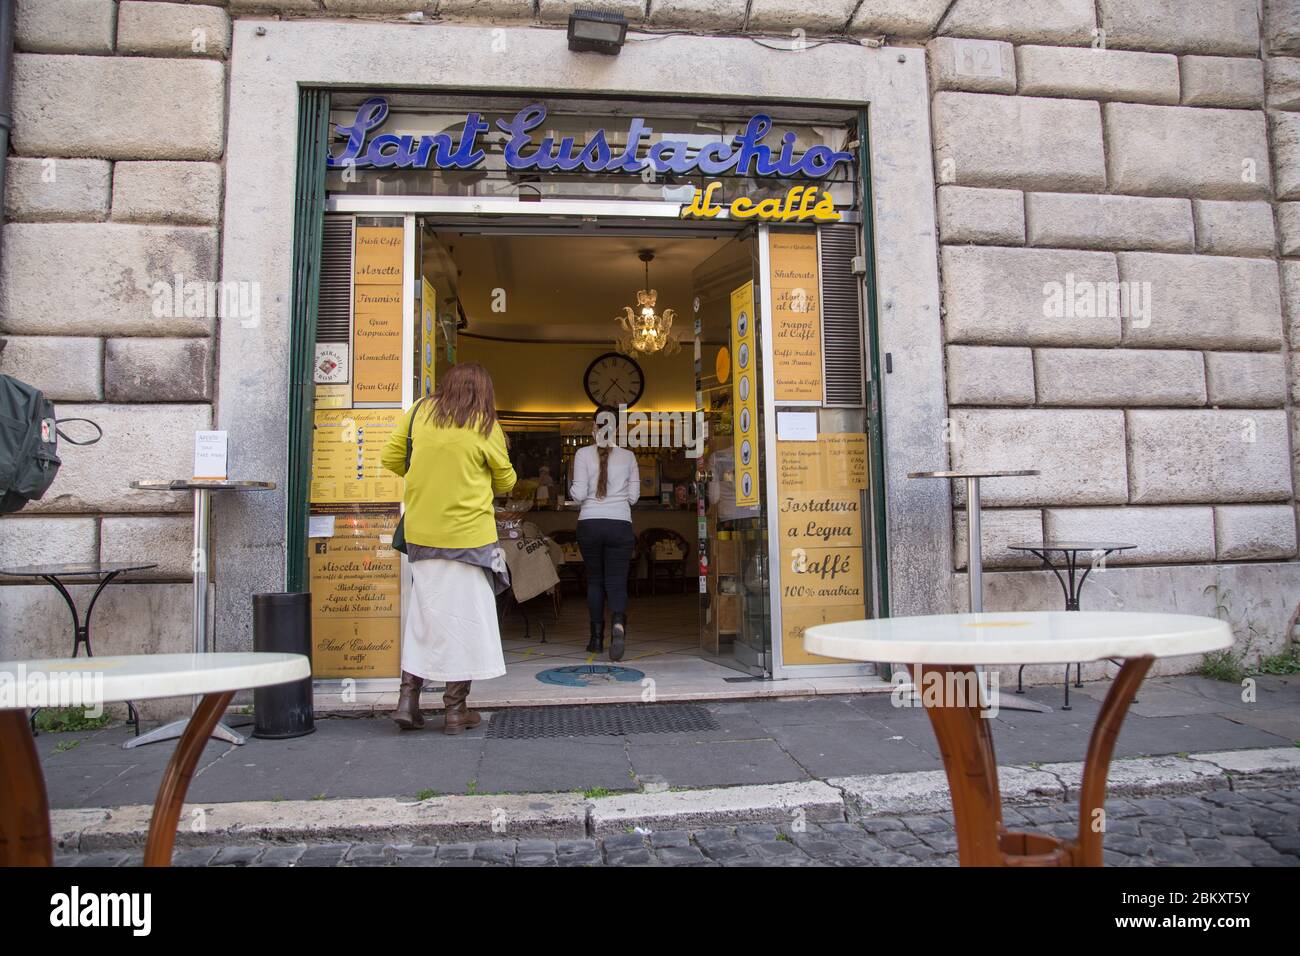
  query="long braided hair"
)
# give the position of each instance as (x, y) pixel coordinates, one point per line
(604, 419)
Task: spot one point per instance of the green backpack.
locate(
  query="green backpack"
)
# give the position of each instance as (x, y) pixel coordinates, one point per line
(29, 443)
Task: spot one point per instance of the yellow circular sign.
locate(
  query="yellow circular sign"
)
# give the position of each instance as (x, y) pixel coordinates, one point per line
(723, 365)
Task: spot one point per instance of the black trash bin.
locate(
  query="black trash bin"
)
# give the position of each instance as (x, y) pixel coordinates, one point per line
(282, 623)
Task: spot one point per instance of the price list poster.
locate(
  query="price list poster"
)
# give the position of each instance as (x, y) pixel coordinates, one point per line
(796, 318)
(377, 315)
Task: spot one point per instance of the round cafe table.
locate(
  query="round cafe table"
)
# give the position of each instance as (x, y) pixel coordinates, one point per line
(88, 681)
(1098, 552)
(944, 650)
(86, 572)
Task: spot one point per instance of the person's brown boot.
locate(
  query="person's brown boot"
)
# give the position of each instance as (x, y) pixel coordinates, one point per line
(457, 717)
(407, 715)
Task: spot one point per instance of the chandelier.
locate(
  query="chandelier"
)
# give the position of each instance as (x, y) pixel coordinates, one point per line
(645, 331)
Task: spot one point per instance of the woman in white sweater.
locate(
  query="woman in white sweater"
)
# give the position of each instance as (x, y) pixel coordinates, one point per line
(606, 484)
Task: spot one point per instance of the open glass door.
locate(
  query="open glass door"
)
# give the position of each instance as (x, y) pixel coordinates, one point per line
(819, 477)
(735, 625)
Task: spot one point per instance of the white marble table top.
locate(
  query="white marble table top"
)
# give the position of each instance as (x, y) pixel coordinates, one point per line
(77, 681)
(1018, 637)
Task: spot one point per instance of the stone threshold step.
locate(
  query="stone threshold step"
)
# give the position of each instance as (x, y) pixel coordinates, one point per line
(380, 702)
(459, 818)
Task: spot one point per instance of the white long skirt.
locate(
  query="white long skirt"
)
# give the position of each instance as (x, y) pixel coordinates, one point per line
(451, 623)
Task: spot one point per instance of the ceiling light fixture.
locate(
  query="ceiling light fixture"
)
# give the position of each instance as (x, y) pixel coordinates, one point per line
(647, 332)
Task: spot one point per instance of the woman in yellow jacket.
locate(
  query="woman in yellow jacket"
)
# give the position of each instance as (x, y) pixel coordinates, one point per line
(458, 462)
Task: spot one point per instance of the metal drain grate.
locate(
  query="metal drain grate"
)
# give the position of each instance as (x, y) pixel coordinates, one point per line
(528, 723)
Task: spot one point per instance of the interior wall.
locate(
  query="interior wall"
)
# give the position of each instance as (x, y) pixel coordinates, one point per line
(548, 376)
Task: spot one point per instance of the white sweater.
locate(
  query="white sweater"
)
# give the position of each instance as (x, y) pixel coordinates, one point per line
(622, 484)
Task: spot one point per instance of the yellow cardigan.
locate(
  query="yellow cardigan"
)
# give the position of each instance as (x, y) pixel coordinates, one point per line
(453, 476)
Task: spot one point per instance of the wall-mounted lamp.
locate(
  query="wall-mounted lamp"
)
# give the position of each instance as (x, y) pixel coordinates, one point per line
(597, 31)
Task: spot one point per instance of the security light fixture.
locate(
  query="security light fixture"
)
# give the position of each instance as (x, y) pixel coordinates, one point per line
(597, 31)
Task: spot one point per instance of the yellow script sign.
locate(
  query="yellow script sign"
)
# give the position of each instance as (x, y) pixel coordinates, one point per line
(800, 204)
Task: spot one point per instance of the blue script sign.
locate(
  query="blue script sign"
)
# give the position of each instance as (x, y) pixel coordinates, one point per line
(744, 155)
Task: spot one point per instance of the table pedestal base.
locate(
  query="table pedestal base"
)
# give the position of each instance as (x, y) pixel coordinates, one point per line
(24, 808)
(176, 728)
(1004, 702)
(966, 743)
(1033, 706)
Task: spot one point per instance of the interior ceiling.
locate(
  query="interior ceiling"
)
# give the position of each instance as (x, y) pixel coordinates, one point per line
(565, 287)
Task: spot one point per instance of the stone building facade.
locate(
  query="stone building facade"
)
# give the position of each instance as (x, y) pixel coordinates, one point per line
(1141, 155)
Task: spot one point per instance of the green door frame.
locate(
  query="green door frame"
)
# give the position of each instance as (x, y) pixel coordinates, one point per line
(308, 227)
(875, 394)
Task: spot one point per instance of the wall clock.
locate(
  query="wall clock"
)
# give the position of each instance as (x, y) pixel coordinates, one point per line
(614, 379)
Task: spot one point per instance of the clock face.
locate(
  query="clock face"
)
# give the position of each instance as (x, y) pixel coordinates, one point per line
(614, 379)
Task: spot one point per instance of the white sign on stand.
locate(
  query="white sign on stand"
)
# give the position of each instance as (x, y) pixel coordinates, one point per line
(210, 456)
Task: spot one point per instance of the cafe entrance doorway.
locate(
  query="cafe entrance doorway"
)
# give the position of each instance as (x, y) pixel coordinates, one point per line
(751, 417)
(559, 319)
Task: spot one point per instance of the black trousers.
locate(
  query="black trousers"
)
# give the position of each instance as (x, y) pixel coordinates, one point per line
(607, 545)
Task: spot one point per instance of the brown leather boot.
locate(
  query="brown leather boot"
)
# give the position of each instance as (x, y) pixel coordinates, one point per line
(457, 717)
(407, 715)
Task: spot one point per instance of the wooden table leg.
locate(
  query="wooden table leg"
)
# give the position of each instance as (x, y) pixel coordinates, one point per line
(966, 743)
(1096, 766)
(177, 776)
(24, 808)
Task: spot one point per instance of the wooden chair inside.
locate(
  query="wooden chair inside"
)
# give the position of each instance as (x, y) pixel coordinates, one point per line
(573, 574)
(671, 570)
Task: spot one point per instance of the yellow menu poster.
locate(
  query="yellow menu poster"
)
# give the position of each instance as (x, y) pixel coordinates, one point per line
(356, 599)
(346, 447)
(795, 619)
(811, 519)
(835, 460)
(377, 315)
(378, 258)
(822, 534)
(822, 577)
(744, 390)
(796, 317)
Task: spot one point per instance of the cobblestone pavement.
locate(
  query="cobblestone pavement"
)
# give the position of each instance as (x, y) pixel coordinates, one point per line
(1219, 828)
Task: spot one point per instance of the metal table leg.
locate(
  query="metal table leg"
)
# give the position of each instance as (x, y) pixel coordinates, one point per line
(975, 582)
(202, 509)
(1071, 588)
(81, 634)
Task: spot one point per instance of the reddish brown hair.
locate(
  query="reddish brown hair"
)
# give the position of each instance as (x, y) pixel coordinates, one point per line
(464, 398)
